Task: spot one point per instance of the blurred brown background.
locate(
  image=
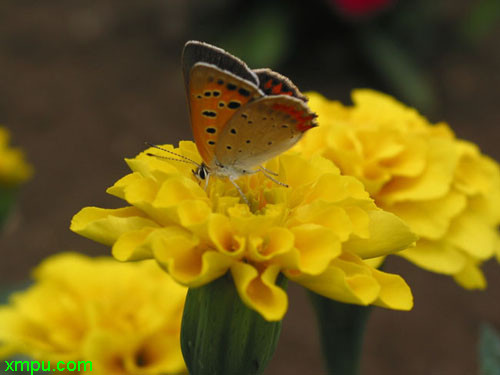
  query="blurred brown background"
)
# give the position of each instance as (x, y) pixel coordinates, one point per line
(84, 83)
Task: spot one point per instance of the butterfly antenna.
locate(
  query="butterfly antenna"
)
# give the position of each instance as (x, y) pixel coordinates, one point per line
(268, 175)
(168, 158)
(186, 159)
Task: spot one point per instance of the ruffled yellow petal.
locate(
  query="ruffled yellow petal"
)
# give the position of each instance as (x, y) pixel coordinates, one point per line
(317, 246)
(360, 220)
(383, 108)
(328, 215)
(375, 262)
(474, 171)
(471, 277)
(133, 245)
(178, 189)
(394, 293)
(192, 213)
(185, 259)
(110, 354)
(471, 234)
(388, 234)
(141, 192)
(335, 188)
(431, 219)
(160, 353)
(245, 222)
(435, 256)
(131, 354)
(343, 281)
(107, 225)
(131, 182)
(259, 290)
(276, 242)
(410, 162)
(297, 171)
(224, 237)
(433, 183)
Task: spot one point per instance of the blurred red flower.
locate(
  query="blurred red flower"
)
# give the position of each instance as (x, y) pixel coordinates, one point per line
(361, 7)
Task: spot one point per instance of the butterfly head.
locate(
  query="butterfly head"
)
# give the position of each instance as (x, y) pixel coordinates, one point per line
(201, 172)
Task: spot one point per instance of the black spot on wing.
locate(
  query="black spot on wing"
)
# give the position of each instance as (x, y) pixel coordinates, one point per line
(234, 104)
(244, 92)
(208, 113)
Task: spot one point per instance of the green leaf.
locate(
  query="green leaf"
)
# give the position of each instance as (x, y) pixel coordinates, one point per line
(489, 350)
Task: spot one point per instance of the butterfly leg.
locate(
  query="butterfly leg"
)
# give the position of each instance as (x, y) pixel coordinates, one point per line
(268, 171)
(206, 181)
(239, 190)
(267, 174)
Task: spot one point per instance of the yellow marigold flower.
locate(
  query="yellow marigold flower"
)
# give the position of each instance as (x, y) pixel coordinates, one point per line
(317, 231)
(443, 187)
(124, 318)
(13, 168)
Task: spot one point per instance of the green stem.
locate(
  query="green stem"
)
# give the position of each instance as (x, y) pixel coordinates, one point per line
(222, 336)
(341, 329)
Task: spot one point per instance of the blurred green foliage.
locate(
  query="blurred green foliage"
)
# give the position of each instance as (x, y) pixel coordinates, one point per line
(489, 351)
(482, 18)
(395, 49)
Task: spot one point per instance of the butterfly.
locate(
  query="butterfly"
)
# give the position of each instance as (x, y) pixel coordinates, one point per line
(240, 117)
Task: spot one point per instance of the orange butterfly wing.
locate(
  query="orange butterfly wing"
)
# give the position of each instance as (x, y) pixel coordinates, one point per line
(217, 84)
(214, 96)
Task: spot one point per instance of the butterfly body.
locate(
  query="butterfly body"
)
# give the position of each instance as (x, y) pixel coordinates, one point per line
(240, 117)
